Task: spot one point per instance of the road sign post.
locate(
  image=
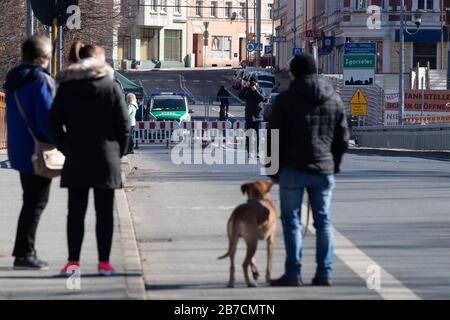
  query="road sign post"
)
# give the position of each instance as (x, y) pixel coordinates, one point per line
(359, 63)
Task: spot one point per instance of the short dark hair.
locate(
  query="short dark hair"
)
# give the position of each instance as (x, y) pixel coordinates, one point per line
(303, 64)
(36, 49)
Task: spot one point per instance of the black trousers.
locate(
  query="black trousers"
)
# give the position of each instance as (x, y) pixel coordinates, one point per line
(104, 208)
(131, 142)
(36, 191)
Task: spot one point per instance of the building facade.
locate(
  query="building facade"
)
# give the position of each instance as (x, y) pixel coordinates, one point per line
(158, 38)
(226, 23)
(348, 21)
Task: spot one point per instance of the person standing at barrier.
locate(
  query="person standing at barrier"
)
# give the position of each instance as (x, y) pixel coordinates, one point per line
(253, 96)
(89, 122)
(223, 97)
(35, 90)
(313, 132)
(132, 109)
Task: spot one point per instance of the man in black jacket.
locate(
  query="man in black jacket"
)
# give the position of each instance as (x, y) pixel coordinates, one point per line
(313, 132)
(253, 96)
(223, 97)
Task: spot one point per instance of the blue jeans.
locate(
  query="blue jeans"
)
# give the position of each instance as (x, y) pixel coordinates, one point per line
(319, 188)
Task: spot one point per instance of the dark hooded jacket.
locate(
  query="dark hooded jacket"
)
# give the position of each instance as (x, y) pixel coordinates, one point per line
(89, 123)
(35, 89)
(313, 126)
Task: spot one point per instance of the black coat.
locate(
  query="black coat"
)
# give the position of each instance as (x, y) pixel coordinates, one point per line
(253, 104)
(223, 96)
(313, 126)
(89, 123)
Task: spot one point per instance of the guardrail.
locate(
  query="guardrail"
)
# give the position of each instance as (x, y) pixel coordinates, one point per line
(413, 137)
(2, 121)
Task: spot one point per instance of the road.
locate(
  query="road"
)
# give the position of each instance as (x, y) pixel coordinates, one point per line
(390, 212)
(200, 85)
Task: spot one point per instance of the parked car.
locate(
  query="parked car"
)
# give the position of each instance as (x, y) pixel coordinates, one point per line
(267, 87)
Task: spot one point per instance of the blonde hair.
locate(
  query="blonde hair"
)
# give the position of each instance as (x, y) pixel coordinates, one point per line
(131, 98)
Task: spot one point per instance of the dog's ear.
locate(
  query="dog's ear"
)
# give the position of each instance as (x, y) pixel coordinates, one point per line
(244, 188)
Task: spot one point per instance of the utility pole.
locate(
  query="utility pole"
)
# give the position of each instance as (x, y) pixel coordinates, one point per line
(247, 30)
(295, 24)
(30, 24)
(401, 88)
(443, 19)
(258, 30)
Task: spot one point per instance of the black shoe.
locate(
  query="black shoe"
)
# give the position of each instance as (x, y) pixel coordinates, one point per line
(321, 282)
(131, 152)
(285, 281)
(30, 263)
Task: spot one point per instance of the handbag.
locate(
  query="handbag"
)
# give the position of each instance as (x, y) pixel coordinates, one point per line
(47, 160)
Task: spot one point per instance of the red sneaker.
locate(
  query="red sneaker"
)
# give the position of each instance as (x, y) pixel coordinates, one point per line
(70, 268)
(105, 269)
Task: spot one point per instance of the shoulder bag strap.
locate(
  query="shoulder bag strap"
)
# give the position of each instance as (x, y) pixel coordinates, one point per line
(24, 116)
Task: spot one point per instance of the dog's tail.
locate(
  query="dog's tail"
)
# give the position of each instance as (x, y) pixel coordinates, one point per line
(233, 238)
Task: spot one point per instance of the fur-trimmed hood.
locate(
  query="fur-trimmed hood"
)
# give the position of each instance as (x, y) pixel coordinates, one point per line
(86, 69)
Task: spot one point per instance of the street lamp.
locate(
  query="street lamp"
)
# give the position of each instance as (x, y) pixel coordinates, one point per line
(418, 21)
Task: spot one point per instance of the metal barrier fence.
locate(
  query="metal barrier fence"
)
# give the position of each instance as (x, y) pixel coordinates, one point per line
(161, 132)
(414, 137)
(2, 121)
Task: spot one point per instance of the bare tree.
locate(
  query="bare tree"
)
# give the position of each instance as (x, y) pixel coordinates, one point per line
(98, 20)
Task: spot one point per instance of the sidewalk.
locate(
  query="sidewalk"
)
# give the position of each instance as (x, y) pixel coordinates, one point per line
(51, 247)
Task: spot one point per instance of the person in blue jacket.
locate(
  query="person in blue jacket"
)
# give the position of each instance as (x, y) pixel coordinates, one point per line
(35, 90)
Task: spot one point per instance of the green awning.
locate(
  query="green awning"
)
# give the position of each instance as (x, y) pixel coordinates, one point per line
(129, 86)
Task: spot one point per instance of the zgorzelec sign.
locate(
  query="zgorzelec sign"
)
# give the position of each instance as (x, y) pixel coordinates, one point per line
(433, 104)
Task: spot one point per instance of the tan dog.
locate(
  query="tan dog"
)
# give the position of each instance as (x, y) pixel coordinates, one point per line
(253, 221)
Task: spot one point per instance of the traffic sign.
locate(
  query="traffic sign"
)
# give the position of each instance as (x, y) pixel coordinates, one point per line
(250, 36)
(358, 61)
(358, 104)
(47, 10)
(258, 47)
(360, 48)
(251, 46)
(279, 39)
(268, 50)
(297, 51)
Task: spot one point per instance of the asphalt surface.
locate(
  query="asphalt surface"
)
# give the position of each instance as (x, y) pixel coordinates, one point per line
(200, 85)
(391, 207)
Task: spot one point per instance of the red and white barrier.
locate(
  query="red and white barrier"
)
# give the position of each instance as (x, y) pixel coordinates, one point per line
(155, 132)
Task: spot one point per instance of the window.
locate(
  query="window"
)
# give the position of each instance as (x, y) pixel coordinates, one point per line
(172, 45)
(164, 6)
(198, 8)
(361, 4)
(221, 47)
(149, 44)
(228, 6)
(177, 6)
(270, 11)
(154, 5)
(243, 9)
(425, 52)
(213, 8)
(124, 45)
(425, 4)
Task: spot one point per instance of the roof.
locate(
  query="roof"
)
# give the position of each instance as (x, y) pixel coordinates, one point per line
(129, 86)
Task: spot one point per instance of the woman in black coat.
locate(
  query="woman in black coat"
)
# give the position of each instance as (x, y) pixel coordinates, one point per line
(89, 123)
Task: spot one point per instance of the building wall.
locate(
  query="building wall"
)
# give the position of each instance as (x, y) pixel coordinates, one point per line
(223, 28)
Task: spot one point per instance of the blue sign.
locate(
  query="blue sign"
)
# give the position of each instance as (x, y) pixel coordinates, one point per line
(297, 51)
(279, 39)
(360, 48)
(258, 47)
(251, 46)
(268, 50)
(324, 52)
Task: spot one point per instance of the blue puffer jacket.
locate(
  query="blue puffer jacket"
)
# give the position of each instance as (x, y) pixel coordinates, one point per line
(36, 89)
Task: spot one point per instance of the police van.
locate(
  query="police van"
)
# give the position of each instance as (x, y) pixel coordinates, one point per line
(169, 106)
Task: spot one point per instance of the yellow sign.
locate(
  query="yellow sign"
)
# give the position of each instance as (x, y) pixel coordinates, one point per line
(358, 104)
(250, 36)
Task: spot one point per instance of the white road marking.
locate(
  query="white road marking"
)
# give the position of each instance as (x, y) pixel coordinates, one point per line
(230, 90)
(200, 208)
(229, 114)
(196, 81)
(170, 80)
(358, 261)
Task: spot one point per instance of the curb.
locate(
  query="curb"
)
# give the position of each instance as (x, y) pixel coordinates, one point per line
(130, 251)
